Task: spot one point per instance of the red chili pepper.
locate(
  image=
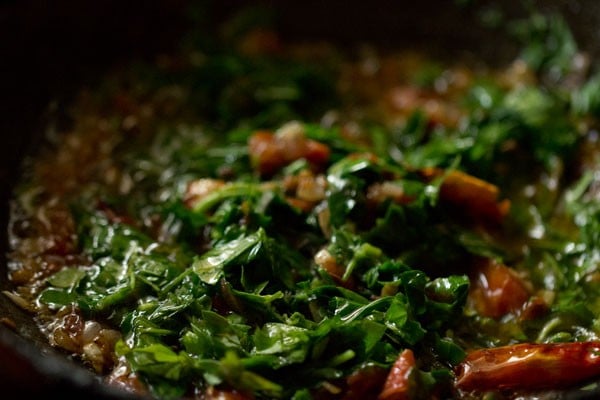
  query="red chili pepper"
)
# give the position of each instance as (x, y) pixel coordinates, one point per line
(529, 366)
(398, 383)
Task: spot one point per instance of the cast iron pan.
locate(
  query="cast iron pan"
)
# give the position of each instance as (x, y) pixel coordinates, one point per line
(49, 49)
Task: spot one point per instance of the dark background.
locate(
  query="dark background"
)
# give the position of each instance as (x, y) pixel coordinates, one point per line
(50, 48)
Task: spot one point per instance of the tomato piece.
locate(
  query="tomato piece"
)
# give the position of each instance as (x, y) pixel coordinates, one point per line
(365, 383)
(405, 100)
(213, 393)
(324, 259)
(476, 198)
(529, 366)
(534, 308)
(265, 153)
(316, 152)
(398, 384)
(497, 290)
(269, 152)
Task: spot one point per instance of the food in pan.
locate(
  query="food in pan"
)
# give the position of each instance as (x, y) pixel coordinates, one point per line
(259, 218)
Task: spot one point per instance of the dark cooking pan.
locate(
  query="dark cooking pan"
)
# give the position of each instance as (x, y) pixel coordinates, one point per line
(49, 49)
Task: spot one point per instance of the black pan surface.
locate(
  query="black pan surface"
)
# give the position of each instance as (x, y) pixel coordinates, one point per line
(49, 49)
